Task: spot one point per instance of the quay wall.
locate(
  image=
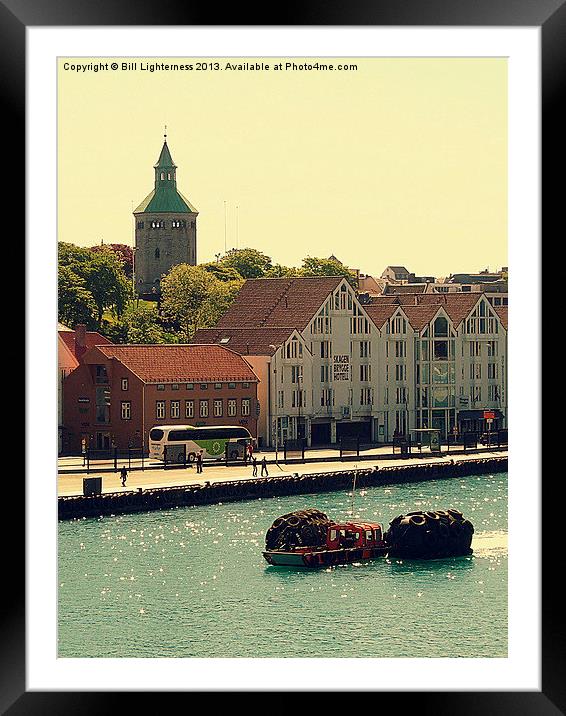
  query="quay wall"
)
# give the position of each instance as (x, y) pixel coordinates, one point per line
(143, 500)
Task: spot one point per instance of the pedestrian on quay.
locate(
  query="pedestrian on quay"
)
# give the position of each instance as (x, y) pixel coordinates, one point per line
(254, 463)
(250, 449)
(264, 467)
(199, 462)
(124, 476)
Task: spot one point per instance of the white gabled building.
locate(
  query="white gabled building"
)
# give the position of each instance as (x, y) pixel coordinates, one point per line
(331, 366)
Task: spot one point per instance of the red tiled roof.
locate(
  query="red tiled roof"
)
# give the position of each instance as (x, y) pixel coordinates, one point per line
(246, 341)
(502, 313)
(278, 302)
(65, 358)
(92, 338)
(174, 363)
(457, 305)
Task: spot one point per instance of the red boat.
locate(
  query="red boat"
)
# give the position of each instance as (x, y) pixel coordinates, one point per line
(345, 542)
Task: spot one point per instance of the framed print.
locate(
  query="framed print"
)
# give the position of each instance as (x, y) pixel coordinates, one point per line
(266, 147)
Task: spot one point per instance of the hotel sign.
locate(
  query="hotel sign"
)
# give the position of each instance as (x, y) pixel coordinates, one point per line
(341, 367)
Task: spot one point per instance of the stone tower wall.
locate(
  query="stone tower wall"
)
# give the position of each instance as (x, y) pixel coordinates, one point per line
(175, 245)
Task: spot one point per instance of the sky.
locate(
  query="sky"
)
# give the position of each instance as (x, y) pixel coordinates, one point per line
(398, 162)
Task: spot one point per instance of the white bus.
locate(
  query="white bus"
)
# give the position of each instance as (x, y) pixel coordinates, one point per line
(173, 442)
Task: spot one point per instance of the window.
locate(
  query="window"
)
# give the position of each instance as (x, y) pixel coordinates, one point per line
(401, 396)
(400, 371)
(190, 386)
(441, 326)
(246, 402)
(366, 396)
(492, 371)
(204, 408)
(400, 349)
(218, 408)
(365, 372)
(232, 385)
(189, 408)
(175, 408)
(157, 254)
(231, 407)
(174, 386)
(126, 410)
(204, 386)
(245, 385)
(218, 386)
(365, 349)
(281, 399)
(160, 409)
(160, 386)
(296, 373)
(124, 384)
(325, 349)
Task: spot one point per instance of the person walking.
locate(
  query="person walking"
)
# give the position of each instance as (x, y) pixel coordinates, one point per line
(199, 462)
(264, 467)
(124, 476)
(250, 450)
(254, 463)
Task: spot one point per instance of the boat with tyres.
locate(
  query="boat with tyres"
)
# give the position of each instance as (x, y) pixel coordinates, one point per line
(308, 538)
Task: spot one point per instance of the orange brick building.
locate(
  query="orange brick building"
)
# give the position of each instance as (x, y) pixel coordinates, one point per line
(119, 392)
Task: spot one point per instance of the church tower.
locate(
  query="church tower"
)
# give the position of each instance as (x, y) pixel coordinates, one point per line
(166, 229)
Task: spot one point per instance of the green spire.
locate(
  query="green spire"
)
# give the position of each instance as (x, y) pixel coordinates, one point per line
(165, 161)
(165, 197)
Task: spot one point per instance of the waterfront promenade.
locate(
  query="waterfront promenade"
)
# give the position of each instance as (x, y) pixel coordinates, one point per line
(154, 475)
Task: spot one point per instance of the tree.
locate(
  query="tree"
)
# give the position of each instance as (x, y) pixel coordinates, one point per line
(184, 290)
(139, 323)
(124, 254)
(313, 266)
(75, 303)
(220, 297)
(222, 272)
(249, 263)
(107, 283)
(279, 271)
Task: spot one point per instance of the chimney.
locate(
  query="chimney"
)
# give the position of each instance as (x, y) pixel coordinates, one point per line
(80, 340)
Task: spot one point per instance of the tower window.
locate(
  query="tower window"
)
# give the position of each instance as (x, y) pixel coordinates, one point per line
(157, 253)
(162, 176)
(169, 176)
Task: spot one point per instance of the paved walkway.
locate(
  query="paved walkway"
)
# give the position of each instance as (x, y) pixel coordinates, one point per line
(71, 482)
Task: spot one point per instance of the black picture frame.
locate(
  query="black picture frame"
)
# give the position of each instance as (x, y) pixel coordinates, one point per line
(550, 16)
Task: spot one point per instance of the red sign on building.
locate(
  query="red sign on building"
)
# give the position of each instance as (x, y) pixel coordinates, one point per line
(488, 415)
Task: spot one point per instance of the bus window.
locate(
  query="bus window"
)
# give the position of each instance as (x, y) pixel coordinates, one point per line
(156, 434)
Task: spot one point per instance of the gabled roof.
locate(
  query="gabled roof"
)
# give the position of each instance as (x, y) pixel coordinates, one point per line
(418, 306)
(66, 360)
(275, 302)
(246, 341)
(174, 363)
(502, 313)
(92, 338)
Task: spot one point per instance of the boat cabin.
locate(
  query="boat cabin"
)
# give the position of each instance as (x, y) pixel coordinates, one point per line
(354, 534)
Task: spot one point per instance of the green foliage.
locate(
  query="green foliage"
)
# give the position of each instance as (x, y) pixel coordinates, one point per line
(279, 271)
(75, 302)
(222, 272)
(249, 263)
(184, 292)
(94, 281)
(139, 323)
(313, 266)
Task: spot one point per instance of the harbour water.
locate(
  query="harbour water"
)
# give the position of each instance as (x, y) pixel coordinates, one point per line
(192, 582)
